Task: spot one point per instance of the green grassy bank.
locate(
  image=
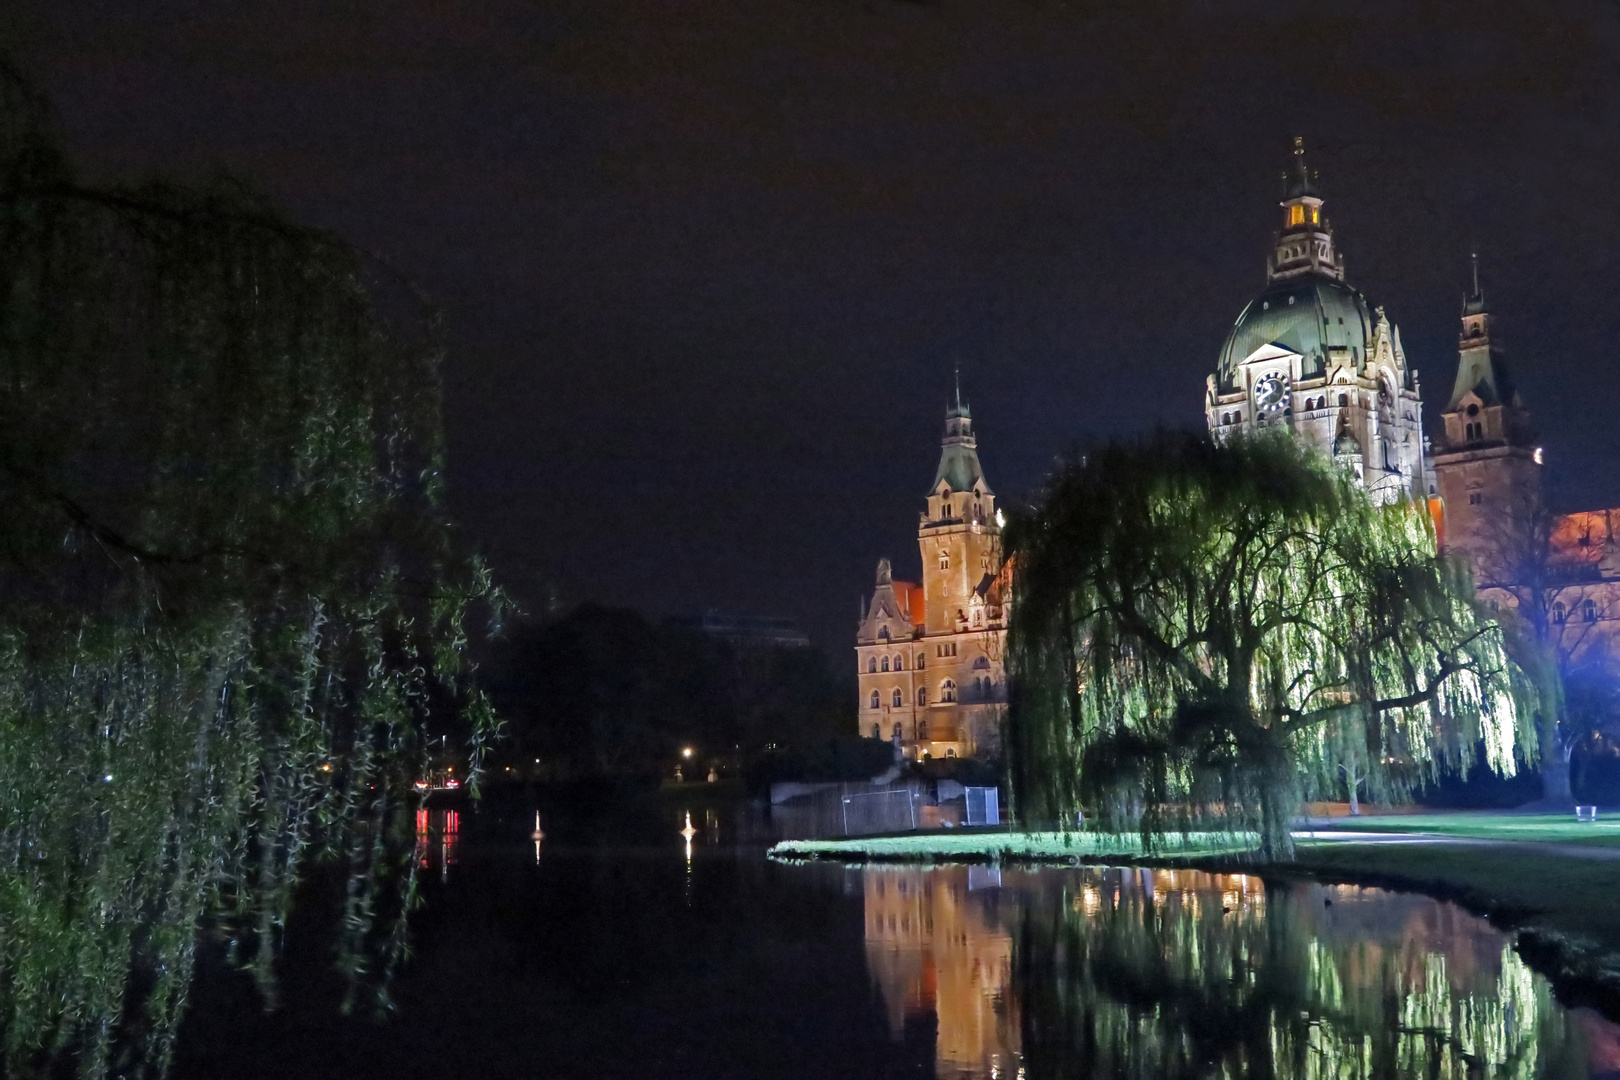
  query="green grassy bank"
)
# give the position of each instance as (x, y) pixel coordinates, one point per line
(995, 845)
(1532, 828)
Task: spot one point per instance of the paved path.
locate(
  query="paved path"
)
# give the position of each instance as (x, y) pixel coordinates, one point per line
(1528, 847)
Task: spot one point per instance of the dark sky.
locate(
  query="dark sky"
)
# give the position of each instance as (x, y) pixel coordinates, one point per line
(707, 265)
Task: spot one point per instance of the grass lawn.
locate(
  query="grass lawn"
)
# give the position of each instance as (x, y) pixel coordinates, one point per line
(947, 846)
(1535, 828)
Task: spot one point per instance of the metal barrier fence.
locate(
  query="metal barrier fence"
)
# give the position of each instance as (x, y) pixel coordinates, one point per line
(983, 806)
(849, 810)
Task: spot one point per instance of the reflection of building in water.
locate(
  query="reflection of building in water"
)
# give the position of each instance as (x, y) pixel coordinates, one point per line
(934, 945)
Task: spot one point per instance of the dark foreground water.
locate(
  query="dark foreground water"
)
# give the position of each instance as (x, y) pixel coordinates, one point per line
(615, 948)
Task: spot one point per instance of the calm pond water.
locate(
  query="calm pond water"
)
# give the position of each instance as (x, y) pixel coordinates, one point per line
(622, 948)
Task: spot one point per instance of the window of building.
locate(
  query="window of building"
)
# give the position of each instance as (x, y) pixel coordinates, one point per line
(897, 698)
(947, 649)
(1316, 217)
(1344, 401)
(883, 634)
(900, 663)
(922, 730)
(922, 659)
(877, 731)
(885, 663)
(922, 695)
(1589, 610)
(1475, 498)
(897, 731)
(1560, 613)
(875, 703)
(950, 751)
(871, 666)
(1296, 214)
(944, 559)
(947, 691)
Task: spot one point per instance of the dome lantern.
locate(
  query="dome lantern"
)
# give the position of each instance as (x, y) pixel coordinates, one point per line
(1305, 244)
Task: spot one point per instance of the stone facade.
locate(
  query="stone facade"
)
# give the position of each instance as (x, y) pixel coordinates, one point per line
(1561, 572)
(929, 655)
(1311, 355)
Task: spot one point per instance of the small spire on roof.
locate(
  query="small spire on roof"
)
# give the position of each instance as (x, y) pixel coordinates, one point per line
(1303, 182)
(1474, 255)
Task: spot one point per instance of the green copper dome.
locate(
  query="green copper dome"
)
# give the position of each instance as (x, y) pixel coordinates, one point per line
(1308, 315)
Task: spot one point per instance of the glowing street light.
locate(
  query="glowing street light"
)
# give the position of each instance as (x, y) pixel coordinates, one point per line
(686, 752)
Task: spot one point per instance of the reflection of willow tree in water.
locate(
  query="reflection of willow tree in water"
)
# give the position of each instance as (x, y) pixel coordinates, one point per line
(1203, 634)
(229, 606)
(1126, 981)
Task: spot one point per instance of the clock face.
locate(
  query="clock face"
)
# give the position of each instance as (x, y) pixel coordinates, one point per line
(1269, 393)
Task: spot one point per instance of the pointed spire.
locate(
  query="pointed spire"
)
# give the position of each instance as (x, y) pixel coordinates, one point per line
(958, 410)
(959, 457)
(1474, 303)
(1303, 181)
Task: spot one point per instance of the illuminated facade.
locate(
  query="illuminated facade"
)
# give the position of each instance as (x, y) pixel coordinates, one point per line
(1488, 471)
(929, 655)
(1309, 354)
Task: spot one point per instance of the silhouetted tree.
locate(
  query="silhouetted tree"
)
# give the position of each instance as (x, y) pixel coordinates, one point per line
(230, 607)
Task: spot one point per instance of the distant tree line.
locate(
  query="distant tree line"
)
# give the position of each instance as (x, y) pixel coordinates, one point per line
(606, 693)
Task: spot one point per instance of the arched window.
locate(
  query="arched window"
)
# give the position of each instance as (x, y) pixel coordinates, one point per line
(877, 731)
(875, 702)
(883, 634)
(897, 698)
(885, 663)
(947, 691)
(1560, 613)
(900, 663)
(922, 659)
(950, 751)
(1344, 401)
(922, 730)
(944, 559)
(871, 666)
(1589, 610)
(897, 731)
(922, 695)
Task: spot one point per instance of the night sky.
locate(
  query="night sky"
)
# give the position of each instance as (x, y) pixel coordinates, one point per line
(707, 267)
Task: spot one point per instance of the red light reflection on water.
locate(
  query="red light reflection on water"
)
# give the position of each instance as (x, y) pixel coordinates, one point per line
(443, 826)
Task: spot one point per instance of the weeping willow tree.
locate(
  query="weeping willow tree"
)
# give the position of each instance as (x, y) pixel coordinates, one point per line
(231, 611)
(1203, 635)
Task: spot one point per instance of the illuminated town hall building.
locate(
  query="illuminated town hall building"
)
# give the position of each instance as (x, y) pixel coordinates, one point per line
(1311, 355)
(929, 655)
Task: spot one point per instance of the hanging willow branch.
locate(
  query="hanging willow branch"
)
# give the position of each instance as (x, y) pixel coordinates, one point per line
(231, 610)
(1207, 634)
